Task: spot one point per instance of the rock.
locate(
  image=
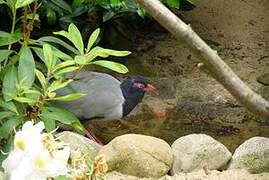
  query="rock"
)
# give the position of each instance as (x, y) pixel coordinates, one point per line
(75, 140)
(198, 151)
(252, 155)
(138, 155)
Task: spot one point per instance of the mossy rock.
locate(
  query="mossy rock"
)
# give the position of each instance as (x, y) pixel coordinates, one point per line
(252, 155)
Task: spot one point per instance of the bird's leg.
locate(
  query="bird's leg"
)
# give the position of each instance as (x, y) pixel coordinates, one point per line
(91, 135)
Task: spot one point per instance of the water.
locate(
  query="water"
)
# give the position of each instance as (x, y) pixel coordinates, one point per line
(171, 127)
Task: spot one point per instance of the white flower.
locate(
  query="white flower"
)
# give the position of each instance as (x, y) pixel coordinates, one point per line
(36, 156)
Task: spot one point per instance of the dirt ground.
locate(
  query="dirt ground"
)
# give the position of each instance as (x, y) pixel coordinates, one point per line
(234, 174)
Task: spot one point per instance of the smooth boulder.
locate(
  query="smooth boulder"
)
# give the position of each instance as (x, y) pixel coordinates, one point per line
(197, 151)
(75, 141)
(252, 155)
(138, 155)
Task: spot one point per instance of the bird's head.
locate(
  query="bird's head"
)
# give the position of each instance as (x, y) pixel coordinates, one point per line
(138, 83)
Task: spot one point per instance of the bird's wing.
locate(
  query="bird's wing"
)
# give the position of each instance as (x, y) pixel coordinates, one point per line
(104, 96)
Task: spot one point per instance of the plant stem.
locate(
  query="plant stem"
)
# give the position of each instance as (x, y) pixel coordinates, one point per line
(12, 31)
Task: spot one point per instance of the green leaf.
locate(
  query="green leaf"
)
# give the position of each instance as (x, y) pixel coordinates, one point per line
(50, 59)
(58, 84)
(26, 68)
(62, 55)
(120, 68)
(92, 39)
(55, 40)
(63, 65)
(25, 100)
(76, 37)
(2, 2)
(78, 127)
(58, 113)
(41, 78)
(173, 3)
(63, 5)
(51, 16)
(49, 123)
(21, 3)
(102, 52)
(9, 125)
(69, 97)
(6, 114)
(82, 60)
(4, 53)
(30, 16)
(8, 105)
(6, 149)
(7, 38)
(10, 83)
(62, 178)
(39, 53)
(66, 70)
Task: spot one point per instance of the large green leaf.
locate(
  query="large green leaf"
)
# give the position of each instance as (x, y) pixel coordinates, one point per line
(82, 60)
(120, 68)
(63, 65)
(25, 100)
(50, 59)
(26, 69)
(4, 53)
(6, 114)
(66, 70)
(49, 123)
(102, 52)
(41, 78)
(21, 3)
(58, 113)
(9, 125)
(6, 149)
(58, 84)
(10, 83)
(76, 37)
(39, 53)
(92, 39)
(55, 40)
(63, 5)
(8, 105)
(69, 97)
(7, 38)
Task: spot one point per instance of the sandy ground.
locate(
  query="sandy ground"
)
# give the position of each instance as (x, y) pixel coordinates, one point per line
(234, 174)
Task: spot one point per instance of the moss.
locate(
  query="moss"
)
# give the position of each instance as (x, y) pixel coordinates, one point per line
(254, 163)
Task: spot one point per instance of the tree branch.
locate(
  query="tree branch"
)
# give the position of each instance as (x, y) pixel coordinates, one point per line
(212, 62)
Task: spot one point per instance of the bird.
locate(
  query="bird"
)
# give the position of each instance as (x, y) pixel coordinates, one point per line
(107, 98)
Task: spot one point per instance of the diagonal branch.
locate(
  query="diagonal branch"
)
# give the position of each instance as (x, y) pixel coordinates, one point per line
(212, 62)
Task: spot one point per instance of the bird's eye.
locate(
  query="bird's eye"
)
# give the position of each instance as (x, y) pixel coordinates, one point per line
(139, 85)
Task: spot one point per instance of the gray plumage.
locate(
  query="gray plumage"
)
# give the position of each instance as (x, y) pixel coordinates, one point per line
(104, 98)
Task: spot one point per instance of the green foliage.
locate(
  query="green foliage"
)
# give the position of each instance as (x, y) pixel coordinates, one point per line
(28, 83)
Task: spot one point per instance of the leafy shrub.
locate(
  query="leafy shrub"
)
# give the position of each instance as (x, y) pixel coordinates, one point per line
(32, 70)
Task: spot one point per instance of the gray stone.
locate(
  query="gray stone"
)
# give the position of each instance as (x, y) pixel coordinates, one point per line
(138, 155)
(198, 151)
(75, 141)
(252, 155)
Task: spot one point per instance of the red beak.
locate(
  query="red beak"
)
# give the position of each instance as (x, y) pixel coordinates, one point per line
(151, 89)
